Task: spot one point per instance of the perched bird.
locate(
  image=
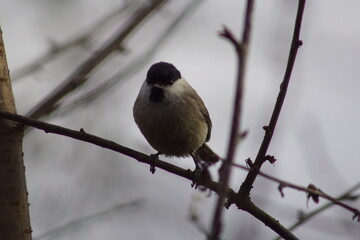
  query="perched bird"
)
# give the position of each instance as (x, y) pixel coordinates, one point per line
(172, 116)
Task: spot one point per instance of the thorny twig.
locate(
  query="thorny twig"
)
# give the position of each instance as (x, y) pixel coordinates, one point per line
(242, 203)
(269, 130)
(188, 174)
(305, 217)
(315, 192)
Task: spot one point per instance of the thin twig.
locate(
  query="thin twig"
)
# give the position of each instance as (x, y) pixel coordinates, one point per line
(80, 75)
(57, 49)
(225, 170)
(305, 217)
(269, 130)
(316, 192)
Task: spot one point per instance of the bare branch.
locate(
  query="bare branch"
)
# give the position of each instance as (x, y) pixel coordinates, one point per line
(80, 75)
(225, 170)
(85, 137)
(137, 63)
(57, 49)
(305, 217)
(269, 130)
(313, 191)
(241, 201)
(226, 33)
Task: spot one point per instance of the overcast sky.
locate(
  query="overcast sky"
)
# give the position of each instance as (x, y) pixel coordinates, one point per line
(316, 139)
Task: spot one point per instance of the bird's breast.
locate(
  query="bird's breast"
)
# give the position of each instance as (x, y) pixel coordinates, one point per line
(171, 125)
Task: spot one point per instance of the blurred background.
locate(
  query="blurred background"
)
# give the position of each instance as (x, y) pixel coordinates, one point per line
(80, 191)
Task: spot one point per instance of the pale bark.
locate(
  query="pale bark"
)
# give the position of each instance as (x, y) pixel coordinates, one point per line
(14, 207)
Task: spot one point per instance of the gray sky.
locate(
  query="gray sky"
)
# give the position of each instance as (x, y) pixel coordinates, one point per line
(316, 140)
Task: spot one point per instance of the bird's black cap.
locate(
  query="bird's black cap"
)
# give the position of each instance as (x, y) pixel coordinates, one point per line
(162, 73)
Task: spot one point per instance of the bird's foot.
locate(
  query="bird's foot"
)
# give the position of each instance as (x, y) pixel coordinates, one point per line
(196, 176)
(201, 176)
(153, 158)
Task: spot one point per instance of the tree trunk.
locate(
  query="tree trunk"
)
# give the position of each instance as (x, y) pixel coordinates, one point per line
(14, 207)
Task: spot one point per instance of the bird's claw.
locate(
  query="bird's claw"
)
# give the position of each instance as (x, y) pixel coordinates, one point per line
(196, 177)
(153, 158)
(201, 175)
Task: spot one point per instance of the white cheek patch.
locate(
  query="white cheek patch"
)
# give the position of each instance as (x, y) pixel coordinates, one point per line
(178, 87)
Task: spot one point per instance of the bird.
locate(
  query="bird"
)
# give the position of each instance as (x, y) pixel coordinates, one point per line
(172, 117)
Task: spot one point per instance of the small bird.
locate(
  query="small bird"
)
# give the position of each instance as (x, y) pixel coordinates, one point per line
(172, 116)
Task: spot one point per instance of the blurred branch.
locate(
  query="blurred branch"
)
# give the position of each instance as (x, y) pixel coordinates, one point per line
(241, 201)
(305, 217)
(57, 49)
(269, 130)
(136, 64)
(225, 169)
(75, 223)
(195, 219)
(80, 75)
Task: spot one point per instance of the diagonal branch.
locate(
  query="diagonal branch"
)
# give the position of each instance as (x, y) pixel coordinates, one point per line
(241, 201)
(101, 142)
(80, 75)
(304, 218)
(188, 174)
(137, 63)
(57, 49)
(269, 130)
(311, 191)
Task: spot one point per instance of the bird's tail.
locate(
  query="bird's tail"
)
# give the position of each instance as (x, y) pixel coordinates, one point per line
(206, 155)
